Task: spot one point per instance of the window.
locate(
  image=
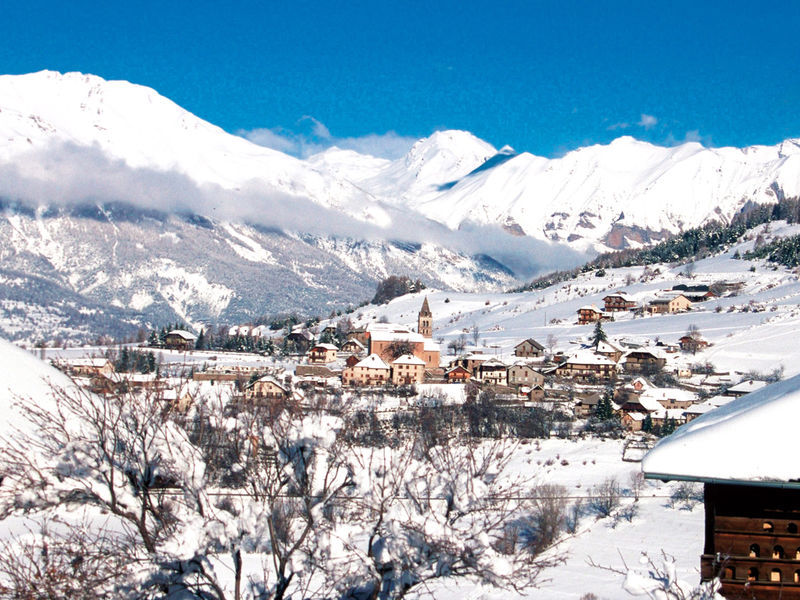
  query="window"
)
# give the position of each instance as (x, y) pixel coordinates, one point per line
(768, 526)
(791, 528)
(777, 552)
(755, 551)
(797, 576)
(775, 575)
(730, 573)
(752, 574)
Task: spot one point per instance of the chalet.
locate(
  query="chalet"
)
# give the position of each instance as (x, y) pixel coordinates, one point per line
(591, 314)
(457, 374)
(586, 405)
(351, 360)
(669, 303)
(692, 343)
(660, 417)
(619, 301)
(353, 346)
(89, 367)
(745, 387)
(471, 362)
(743, 453)
(180, 339)
(519, 375)
(695, 293)
(493, 372)
(300, 335)
(671, 398)
(643, 361)
(632, 421)
(585, 364)
(369, 371)
(358, 333)
(408, 369)
(528, 348)
(266, 388)
(323, 354)
(610, 351)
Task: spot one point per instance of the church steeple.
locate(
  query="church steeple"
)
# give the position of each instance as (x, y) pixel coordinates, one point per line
(425, 320)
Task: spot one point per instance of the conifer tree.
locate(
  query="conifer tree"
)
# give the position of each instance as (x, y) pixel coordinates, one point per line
(598, 335)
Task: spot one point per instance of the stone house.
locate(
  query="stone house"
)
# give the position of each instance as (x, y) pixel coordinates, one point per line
(371, 370)
(528, 348)
(519, 375)
(323, 354)
(408, 369)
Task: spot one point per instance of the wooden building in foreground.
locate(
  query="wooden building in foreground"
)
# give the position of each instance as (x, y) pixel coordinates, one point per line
(752, 490)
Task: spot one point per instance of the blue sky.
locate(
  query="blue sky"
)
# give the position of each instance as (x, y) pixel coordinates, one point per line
(544, 77)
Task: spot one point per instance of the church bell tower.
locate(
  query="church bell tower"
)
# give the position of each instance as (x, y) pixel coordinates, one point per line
(425, 320)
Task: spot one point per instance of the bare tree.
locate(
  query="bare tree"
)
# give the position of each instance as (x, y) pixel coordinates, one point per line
(448, 510)
(476, 334)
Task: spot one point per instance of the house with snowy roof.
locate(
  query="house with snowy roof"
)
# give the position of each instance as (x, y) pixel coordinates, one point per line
(743, 455)
(643, 361)
(609, 350)
(585, 364)
(745, 387)
(591, 314)
(322, 354)
(88, 367)
(619, 301)
(407, 369)
(180, 339)
(388, 340)
(371, 370)
(669, 397)
(528, 348)
(353, 346)
(669, 302)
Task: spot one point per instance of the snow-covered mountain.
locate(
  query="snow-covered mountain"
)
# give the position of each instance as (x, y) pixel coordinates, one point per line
(133, 208)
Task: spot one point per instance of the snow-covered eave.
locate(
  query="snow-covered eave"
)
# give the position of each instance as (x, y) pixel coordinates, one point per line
(772, 483)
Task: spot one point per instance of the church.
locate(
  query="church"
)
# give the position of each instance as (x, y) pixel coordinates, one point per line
(390, 341)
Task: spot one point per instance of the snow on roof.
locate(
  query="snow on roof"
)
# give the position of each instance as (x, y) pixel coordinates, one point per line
(665, 394)
(325, 347)
(587, 357)
(532, 342)
(590, 307)
(272, 380)
(187, 335)
(408, 359)
(373, 361)
(355, 342)
(749, 439)
(604, 347)
(745, 387)
(395, 334)
(87, 362)
(649, 403)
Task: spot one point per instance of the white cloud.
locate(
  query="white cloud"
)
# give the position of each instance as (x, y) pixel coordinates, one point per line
(622, 125)
(647, 121)
(318, 138)
(692, 135)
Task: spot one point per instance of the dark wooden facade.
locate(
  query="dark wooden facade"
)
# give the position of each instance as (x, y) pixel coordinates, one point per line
(752, 541)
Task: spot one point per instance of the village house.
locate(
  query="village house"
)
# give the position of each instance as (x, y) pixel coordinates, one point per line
(471, 362)
(352, 360)
(493, 372)
(619, 301)
(300, 335)
(586, 404)
(408, 369)
(643, 361)
(368, 371)
(524, 375)
(353, 346)
(323, 354)
(528, 348)
(670, 397)
(587, 365)
(89, 367)
(745, 387)
(180, 339)
(743, 454)
(457, 374)
(536, 393)
(360, 334)
(632, 421)
(266, 388)
(609, 350)
(692, 343)
(591, 314)
(669, 303)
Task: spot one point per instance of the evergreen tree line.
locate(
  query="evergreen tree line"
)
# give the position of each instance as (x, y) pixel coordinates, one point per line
(133, 360)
